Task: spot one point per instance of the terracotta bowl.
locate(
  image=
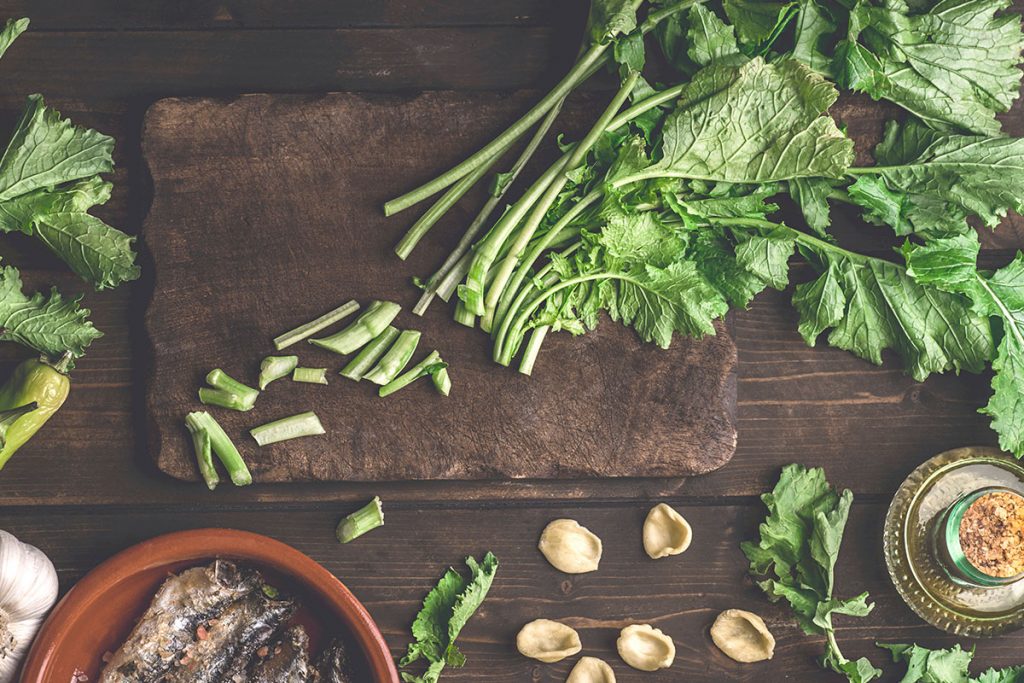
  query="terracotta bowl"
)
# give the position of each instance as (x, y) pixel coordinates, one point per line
(99, 611)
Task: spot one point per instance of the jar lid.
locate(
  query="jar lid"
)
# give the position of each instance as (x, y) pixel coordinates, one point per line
(952, 535)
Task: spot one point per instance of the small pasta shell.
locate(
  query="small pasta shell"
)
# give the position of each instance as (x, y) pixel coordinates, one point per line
(569, 547)
(743, 636)
(666, 532)
(646, 648)
(548, 641)
(591, 670)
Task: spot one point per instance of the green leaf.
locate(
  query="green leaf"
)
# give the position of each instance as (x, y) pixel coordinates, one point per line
(954, 65)
(46, 151)
(710, 38)
(949, 263)
(821, 304)
(715, 258)
(1013, 674)
(49, 325)
(767, 255)
(756, 20)
(931, 666)
(12, 29)
(629, 51)
(927, 174)
(446, 609)
(609, 19)
(812, 196)
(813, 37)
(97, 252)
(754, 123)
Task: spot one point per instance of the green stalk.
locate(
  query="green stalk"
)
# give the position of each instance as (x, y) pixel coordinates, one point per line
(275, 367)
(463, 315)
(442, 382)
(428, 366)
(365, 329)
(506, 138)
(9, 417)
(224, 399)
(364, 519)
(310, 375)
(218, 379)
(432, 215)
(551, 194)
(204, 454)
(222, 447)
(532, 349)
(396, 358)
(293, 427)
(370, 354)
(309, 329)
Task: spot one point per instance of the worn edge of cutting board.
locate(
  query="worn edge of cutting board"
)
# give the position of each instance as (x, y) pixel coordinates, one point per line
(171, 463)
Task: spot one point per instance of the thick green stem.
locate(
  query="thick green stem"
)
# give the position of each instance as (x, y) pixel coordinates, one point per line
(275, 367)
(432, 215)
(310, 375)
(463, 315)
(314, 326)
(204, 454)
(532, 349)
(442, 381)
(365, 329)
(292, 427)
(396, 358)
(442, 278)
(364, 519)
(222, 446)
(575, 76)
(428, 366)
(224, 399)
(371, 353)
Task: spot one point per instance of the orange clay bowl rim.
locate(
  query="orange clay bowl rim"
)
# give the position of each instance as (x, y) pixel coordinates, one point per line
(204, 544)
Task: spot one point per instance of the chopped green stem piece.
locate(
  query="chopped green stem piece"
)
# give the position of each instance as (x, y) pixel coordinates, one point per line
(428, 366)
(204, 454)
(365, 329)
(463, 315)
(425, 222)
(309, 329)
(396, 358)
(9, 417)
(310, 375)
(532, 349)
(371, 353)
(276, 367)
(224, 399)
(222, 446)
(293, 427)
(442, 382)
(366, 518)
(218, 379)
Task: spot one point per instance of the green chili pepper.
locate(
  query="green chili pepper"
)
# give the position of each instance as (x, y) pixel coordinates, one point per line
(34, 383)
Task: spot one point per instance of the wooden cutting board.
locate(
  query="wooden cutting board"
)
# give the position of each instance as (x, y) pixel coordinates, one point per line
(266, 213)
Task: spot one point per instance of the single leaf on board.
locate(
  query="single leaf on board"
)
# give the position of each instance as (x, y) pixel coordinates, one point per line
(710, 38)
(49, 325)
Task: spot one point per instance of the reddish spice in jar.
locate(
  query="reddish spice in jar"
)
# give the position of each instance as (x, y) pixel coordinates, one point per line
(992, 534)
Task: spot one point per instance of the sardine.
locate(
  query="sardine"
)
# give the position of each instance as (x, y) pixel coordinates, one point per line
(333, 664)
(287, 660)
(183, 602)
(227, 645)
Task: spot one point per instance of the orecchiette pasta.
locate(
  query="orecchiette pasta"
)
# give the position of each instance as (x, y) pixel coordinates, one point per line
(548, 641)
(570, 547)
(665, 532)
(591, 670)
(646, 648)
(743, 636)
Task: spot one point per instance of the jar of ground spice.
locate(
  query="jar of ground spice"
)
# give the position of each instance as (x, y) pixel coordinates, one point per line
(980, 538)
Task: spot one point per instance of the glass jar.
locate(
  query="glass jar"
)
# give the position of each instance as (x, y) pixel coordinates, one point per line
(924, 554)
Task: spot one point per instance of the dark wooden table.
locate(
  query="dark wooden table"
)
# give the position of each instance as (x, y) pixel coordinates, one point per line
(84, 489)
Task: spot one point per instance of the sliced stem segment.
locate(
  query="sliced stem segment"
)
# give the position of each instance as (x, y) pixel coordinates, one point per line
(428, 366)
(309, 329)
(532, 349)
(366, 327)
(371, 353)
(222, 446)
(204, 455)
(366, 518)
(276, 367)
(224, 399)
(310, 375)
(396, 358)
(293, 427)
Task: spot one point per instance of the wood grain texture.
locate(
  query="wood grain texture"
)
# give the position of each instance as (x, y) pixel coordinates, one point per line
(392, 568)
(266, 212)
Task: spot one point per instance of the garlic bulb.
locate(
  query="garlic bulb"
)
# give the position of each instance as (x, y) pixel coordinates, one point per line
(28, 589)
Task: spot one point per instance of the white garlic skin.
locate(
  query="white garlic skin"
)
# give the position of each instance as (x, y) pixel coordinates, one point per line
(28, 589)
(570, 548)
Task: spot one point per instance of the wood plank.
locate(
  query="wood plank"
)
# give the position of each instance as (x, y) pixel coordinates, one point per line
(55, 15)
(266, 213)
(391, 569)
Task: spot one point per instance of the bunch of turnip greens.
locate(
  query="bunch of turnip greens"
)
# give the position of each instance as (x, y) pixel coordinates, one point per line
(662, 217)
